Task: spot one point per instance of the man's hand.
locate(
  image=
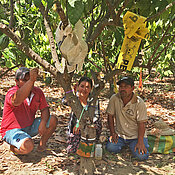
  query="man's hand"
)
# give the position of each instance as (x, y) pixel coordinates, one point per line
(76, 130)
(113, 138)
(140, 144)
(34, 74)
(75, 86)
(42, 128)
(141, 148)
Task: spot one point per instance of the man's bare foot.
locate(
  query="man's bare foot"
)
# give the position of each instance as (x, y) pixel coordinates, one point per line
(41, 148)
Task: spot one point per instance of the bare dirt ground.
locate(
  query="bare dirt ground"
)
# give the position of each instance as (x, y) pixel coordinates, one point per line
(159, 97)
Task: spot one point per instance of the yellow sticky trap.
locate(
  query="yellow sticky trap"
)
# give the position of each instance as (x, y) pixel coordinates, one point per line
(128, 52)
(135, 31)
(132, 22)
(142, 32)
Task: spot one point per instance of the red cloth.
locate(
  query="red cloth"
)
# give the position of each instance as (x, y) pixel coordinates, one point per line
(23, 115)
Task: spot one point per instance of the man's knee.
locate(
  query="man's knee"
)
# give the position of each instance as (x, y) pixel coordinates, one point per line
(141, 156)
(53, 121)
(113, 147)
(27, 146)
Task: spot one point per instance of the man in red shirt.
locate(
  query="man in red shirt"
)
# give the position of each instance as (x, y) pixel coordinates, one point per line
(19, 124)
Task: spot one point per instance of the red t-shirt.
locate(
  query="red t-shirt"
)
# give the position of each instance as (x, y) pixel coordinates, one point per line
(23, 115)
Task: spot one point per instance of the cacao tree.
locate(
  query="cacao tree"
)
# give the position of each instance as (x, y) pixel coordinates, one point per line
(27, 28)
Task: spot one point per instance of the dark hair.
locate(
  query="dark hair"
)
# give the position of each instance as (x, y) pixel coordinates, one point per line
(21, 73)
(86, 79)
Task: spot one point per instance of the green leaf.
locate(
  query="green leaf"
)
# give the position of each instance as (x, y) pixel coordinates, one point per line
(1, 12)
(8, 64)
(162, 4)
(118, 35)
(75, 10)
(164, 16)
(5, 55)
(4, 41)
(37, 2)
(50, 3)
(1, 33)
(72, 2)
(88, 5)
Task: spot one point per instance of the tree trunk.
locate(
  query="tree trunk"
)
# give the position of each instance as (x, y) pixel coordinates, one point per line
(87, 166)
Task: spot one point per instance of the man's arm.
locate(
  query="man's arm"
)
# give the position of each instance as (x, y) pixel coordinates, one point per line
(23, 92)
(140, 144)
(114, 136)
(45, 114)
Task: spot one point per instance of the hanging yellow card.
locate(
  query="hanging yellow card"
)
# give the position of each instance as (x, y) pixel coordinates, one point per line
(135, 31)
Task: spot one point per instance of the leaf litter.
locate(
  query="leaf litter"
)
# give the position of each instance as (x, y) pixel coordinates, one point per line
(160, 102)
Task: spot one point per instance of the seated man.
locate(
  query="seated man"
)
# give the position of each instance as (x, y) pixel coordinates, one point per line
(130, 116)
(19, 124)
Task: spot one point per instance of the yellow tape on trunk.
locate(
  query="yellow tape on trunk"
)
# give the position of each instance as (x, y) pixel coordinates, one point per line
(135, 31)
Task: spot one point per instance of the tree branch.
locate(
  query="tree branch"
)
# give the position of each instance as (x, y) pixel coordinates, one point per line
(61, 13)
(90, 31)
(94, 64)
(50, 36)
(121, 10)
(112, 7)
(98, 31)
(104, 56)
(103, 23)
(159, 13)
(93, 23)
(27, 50)
(155, 50)
(11, 23)
(111, 74)
(1, 75)
(165, 48)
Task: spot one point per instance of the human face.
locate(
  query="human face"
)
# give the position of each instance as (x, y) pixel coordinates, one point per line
(21, 82)
(125, 90)
(84, 89)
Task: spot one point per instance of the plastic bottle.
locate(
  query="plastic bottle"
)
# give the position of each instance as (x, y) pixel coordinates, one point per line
(98, 151)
